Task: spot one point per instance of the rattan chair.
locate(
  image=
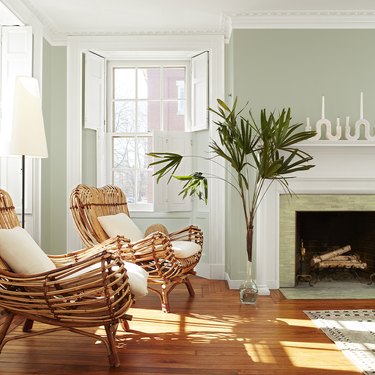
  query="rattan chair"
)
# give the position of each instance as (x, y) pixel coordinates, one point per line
(89, 288)
(154, 252)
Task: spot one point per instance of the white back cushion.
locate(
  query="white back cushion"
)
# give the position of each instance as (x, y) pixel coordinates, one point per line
(22, 253)
(120, 225)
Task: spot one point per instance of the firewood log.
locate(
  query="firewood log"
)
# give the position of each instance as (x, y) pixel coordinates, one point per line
(342, 264)
(330, 254)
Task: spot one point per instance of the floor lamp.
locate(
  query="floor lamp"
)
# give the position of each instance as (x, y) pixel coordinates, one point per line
(23, 126)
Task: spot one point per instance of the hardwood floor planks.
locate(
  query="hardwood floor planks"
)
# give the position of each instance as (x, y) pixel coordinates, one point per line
(209, 334)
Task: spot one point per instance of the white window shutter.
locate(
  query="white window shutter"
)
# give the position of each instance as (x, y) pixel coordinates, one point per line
(94, 109)
(199, 91)
(94, 91)
(167, 198)
(16, 60)
(161, 188)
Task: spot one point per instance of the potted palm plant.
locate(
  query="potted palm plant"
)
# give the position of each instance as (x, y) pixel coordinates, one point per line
(256, 153)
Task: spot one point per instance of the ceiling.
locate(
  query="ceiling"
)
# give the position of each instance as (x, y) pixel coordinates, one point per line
(7, 17)
(82, 17)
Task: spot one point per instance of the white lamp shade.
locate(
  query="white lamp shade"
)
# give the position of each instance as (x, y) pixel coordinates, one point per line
(23, 126)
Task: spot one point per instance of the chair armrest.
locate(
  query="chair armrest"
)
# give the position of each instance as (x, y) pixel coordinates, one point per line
(155, 245)
(191, 233)
(92, 289)
(112, 244)
(155, 255)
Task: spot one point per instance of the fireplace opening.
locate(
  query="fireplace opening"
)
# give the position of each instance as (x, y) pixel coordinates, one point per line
(335, 244)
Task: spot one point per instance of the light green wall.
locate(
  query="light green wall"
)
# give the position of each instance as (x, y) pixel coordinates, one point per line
(293, 68)
(54, 175)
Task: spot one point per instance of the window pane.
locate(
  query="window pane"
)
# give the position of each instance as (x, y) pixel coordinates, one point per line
(144, 146)
(148, 116)
(123, 152)
(174, 83)
(125, 179)
(145, 187)
(124, 83)
(174, 115)
(149, 83)
(124, 118)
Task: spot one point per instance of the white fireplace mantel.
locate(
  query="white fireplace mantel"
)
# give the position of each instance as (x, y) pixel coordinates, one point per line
(340, 168)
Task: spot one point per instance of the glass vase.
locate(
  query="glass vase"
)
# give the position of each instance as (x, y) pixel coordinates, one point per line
(248, 288)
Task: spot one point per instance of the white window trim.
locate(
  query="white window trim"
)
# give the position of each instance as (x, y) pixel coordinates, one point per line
(215, 45)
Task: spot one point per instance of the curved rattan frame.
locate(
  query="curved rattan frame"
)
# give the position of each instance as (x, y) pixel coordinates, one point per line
(154, 253)
(89, 288)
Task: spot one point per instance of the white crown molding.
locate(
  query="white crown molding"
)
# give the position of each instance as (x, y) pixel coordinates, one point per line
(298, 19)
(272, 19)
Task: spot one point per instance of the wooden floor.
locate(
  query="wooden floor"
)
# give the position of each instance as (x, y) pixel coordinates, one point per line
(209, 334)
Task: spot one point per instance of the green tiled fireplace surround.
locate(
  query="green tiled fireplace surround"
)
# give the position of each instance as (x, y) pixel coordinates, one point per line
(310, 202)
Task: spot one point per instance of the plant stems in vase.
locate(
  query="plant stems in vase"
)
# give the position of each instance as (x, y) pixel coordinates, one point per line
(248, 288)
(252, 153)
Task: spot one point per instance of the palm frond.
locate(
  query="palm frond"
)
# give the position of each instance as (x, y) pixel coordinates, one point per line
(171, 161)
(195, 185)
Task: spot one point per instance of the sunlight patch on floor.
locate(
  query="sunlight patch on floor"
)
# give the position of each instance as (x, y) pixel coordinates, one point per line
(297, 322)
(311, 355)
(175, 323)
(260, 353)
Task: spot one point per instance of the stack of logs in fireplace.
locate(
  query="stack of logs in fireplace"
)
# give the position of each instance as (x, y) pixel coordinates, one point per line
(338, 259)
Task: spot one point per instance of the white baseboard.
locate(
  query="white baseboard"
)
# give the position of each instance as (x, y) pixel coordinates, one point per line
(235, 284)
(203, 270)
(211, 271)
(232, 284)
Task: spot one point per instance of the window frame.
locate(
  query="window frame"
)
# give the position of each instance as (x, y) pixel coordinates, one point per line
(111, 134)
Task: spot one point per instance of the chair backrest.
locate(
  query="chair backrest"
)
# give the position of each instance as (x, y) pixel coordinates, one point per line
(8, 218)
(87, 203)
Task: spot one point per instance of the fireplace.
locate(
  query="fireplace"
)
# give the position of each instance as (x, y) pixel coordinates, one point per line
(323, 232)
(343, 180)
(341, 220)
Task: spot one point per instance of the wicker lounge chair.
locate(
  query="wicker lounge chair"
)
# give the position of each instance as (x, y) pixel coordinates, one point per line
(88, 288)
(154, 252)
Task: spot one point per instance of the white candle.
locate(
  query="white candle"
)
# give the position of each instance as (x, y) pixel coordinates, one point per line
(323, 109)
(308, 127)
(361, 107)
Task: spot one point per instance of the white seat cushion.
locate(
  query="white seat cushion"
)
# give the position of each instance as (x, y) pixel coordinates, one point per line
(120, 225)
(22, 253)
(185, 249)
(137, 277)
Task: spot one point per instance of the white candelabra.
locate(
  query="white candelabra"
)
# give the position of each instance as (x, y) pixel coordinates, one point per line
(342, 133)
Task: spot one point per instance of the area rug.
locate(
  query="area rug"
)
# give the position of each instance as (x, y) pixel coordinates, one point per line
(353, 332)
